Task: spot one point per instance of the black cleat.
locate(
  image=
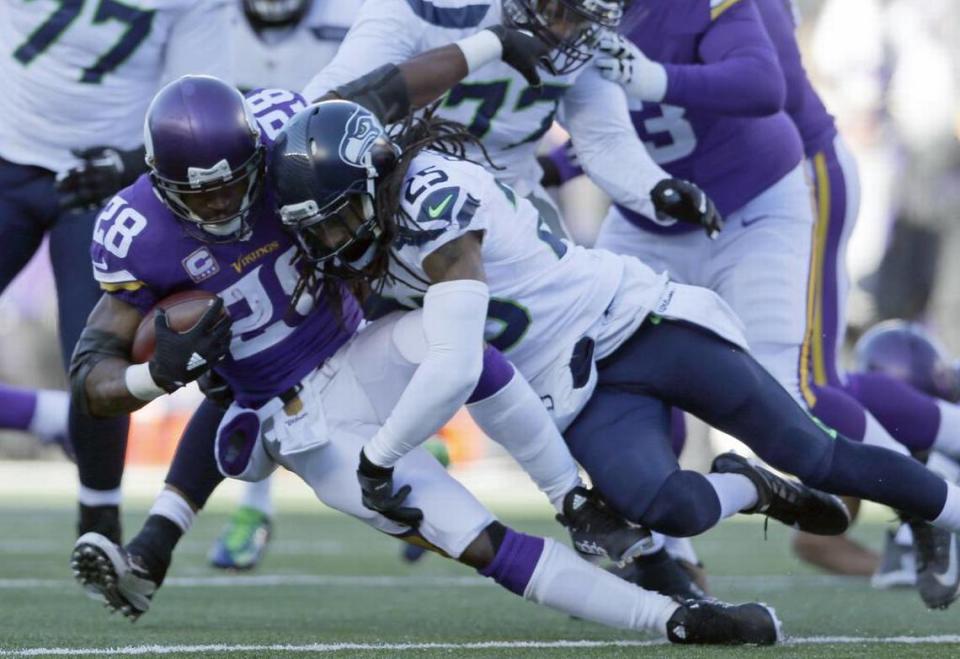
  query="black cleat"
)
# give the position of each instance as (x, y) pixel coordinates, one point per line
(106, 571)
(788, 501)
(662, 573)
(717, 623)
(938, 572)
(596, 530)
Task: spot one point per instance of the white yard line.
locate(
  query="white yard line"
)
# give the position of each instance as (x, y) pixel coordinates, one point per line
(133, 650)
(373, 581)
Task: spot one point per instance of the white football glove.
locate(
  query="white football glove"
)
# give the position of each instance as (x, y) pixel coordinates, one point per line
(620, 61)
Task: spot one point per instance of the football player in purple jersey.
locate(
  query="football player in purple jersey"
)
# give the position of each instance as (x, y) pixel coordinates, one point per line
(309, 390)
(214, 204)
(721, 98)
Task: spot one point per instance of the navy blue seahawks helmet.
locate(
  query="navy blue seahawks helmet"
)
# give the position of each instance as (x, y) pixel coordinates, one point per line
(324, 167)
(205, 155)
(904, 351)
(570, 27)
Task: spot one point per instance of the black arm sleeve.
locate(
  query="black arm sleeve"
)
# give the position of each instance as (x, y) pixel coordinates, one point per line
(92, 347)
(383, 91)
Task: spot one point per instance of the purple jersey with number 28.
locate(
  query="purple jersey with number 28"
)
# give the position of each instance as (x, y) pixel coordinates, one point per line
(142, 254)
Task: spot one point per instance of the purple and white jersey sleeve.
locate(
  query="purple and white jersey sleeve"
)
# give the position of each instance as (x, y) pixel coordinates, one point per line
(738, 71)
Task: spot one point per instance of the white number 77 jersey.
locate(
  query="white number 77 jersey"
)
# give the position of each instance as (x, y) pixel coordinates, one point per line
(544, 292)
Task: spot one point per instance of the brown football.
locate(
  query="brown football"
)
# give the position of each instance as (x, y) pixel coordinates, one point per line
(183, 309)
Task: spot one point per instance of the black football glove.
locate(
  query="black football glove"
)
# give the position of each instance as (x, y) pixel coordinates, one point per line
(102, 173)
(180, 358)
(216, 389)
(524, 52)
(376, 484)
(685, 202)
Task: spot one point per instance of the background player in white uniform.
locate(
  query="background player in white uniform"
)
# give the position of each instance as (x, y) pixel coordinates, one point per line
(498, 105)
(76, 78)
(277, 44)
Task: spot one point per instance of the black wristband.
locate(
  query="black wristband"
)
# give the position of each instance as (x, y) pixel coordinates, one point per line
(372, 470)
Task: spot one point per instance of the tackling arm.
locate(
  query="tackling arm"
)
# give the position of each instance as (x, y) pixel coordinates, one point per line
(454, 315)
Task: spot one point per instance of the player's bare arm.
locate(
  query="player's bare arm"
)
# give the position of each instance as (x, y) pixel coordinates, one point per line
(458, 259)
(392, 91)
(107, 383)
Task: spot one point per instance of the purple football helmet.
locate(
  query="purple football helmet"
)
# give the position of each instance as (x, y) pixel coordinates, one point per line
(570, 27)
(205, 155)
(906, 352)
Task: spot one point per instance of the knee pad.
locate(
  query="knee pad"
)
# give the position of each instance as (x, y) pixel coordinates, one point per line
(686, 505)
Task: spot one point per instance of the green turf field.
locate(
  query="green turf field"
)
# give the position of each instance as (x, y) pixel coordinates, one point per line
(330, 581)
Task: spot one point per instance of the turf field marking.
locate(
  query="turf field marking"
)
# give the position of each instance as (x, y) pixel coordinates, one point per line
(487, 645)
(763, 583)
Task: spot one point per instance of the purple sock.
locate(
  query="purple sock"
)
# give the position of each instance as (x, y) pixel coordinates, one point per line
(678, 430)
(515, 561)
(497, 373)
(911, 417)
(840, 411)
(16, 407)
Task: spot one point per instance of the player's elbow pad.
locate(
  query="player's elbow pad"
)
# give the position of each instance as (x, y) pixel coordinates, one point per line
(92, 347)
(383, 91)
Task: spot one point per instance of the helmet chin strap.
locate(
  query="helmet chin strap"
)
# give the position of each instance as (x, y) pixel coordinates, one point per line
(223, 229)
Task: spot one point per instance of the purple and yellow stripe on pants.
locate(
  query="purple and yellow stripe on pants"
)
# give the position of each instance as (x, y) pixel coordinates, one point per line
(836, 200)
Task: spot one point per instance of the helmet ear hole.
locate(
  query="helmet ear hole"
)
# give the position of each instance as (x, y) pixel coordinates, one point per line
(383, 157)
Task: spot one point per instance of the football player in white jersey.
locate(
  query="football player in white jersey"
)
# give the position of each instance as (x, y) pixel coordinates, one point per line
(77, 77)
(509, 115)
(608, 344)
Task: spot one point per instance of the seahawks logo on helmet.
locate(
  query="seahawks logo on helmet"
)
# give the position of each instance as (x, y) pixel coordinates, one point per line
(362, 130)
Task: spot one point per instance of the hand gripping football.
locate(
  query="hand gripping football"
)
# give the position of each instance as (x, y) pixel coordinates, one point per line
(183, 310)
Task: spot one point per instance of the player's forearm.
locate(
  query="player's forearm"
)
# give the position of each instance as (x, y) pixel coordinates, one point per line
(107, 392)
(454, 314)
(430, 75)
(749, 85)
(740, 72)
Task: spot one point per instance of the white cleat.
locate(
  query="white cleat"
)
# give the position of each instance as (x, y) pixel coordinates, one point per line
(107, 572)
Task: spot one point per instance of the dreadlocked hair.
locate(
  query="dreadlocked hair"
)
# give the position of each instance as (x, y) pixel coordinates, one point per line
(415, 134)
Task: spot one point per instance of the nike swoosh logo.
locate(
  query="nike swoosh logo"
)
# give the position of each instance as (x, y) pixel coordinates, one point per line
(949, 578)
(434, 211)
(752, 220)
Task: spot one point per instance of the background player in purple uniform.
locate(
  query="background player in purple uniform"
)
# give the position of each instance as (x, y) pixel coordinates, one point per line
(918, 421)
(710, 96)
(217, 231)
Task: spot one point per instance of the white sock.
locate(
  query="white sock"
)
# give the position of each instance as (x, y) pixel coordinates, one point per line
(174, 507)
(682, 549)
(735, 491)
(565, 582)
(257, 495)
(50, 415)
(515, 418)
(90, 497)
(948, 433)
(949, 517)
(904, 535)
(944, 466)
(875, 434)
